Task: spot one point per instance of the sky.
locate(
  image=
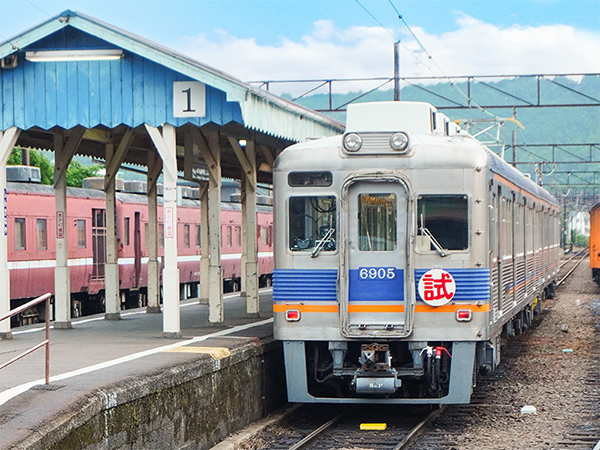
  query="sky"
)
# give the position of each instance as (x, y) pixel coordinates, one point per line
(339, 39)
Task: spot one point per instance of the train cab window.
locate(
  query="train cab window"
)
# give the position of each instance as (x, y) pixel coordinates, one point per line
(20, 233)
(312, 223)
(81, 235)
(377, 222)
(186, 235)
(42, 234)
(443, 221)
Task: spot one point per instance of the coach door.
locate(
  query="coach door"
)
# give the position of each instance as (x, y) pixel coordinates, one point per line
(376, 301)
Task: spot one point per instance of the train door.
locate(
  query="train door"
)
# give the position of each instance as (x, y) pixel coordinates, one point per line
(98, 243)
(137, 249)
(377, 302)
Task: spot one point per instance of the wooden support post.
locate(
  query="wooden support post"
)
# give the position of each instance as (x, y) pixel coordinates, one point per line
(8, 139)
(165, 144)
(114, 159)
(211, 152)
(154, 169)
(111, 268)
(62, 277)
(204, 244)
(247, 158)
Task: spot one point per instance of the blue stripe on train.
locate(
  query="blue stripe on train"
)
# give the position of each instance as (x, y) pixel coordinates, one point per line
(471, 284)
(321, 285)
(304, 285)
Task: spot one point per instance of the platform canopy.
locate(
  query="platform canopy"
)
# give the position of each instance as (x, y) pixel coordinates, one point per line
(79, 86)
(142, 86)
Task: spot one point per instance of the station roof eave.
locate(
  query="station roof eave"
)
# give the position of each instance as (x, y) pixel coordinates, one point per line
(251, 112)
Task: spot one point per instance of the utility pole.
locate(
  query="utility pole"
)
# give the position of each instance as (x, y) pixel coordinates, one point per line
(397, 71)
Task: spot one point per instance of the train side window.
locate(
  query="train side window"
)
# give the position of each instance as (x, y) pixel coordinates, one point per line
(20, 233)
(312, 222)
(198, 235)
(126, 231)
(229, 236)
(42, 234)
(446, 218)
(161, 235)
(186, 235)
(377, 222)
(81, 235)
(238, 236)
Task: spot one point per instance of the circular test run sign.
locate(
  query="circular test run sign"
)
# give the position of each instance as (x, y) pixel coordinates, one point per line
(437, 287)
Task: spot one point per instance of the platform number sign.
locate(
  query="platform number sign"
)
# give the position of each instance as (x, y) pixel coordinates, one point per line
(189, 99)
(60, 225)
(169, 232)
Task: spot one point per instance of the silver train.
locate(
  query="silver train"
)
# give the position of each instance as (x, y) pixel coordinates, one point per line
(404, 251)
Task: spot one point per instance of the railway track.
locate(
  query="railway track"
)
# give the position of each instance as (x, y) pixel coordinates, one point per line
(573, 263)
(384, 428)
(320, 427)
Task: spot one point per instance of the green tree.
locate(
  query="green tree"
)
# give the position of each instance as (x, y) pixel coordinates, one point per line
(77, 172)
(36, 159)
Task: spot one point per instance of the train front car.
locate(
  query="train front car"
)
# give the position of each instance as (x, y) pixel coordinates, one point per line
(383, 253)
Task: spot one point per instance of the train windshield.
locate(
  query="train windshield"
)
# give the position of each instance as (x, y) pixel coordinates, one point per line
(446, 218)
(312, 223)
(377, 222)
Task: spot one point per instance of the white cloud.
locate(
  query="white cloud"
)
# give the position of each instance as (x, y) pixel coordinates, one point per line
(474, 48)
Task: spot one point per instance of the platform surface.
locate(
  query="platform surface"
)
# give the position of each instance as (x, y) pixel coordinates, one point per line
(98, 352)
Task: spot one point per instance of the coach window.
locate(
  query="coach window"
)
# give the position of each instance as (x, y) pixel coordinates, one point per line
(377, 222)
(444, 218)
(126, 229)
(238, 236)
(198, 235)
(161, 235)
(186, 235)
(20, 233)
(312, 222)
(81, 238)
(42, 234)
(229, 236)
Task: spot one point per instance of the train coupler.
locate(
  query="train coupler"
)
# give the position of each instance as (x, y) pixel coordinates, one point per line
(376, 374)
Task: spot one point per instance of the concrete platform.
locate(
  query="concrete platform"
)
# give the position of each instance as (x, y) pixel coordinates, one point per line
(121, 384)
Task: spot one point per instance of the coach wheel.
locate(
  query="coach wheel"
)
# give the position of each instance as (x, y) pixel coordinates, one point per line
(76, 309)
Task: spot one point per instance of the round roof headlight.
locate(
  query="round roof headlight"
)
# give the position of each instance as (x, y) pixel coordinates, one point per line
(352, 142)
(399, 142)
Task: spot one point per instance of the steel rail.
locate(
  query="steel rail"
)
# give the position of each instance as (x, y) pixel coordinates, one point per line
(308, 440)
(45, 342)
(571, 258)
(418, 429)
(572, 270)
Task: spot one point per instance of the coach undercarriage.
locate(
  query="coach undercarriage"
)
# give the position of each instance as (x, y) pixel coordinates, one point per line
(395, 369)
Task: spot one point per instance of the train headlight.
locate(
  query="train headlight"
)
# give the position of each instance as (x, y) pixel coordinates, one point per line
(352, 142)
(399, 142)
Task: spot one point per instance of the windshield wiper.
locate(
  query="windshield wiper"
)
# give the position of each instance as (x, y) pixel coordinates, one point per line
(322, 243)
(434, 241)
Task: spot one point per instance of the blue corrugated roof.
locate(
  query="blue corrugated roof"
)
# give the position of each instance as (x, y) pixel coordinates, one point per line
(134, 90)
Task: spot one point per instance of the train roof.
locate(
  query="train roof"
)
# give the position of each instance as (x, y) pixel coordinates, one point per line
(425, 127)
(43, 189)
